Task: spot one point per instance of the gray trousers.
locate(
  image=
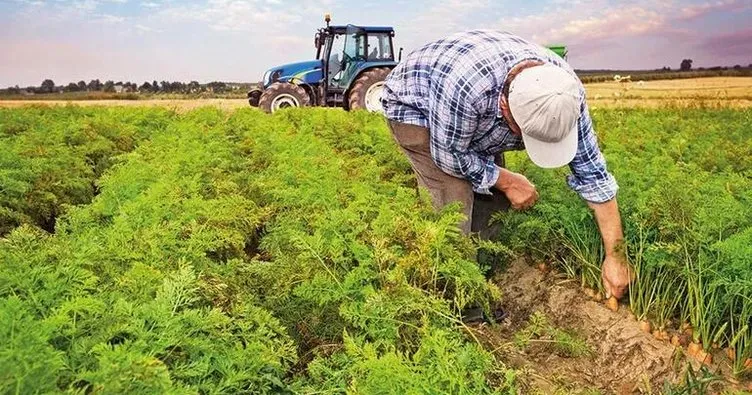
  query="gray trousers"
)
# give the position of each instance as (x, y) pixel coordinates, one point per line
(445, 188)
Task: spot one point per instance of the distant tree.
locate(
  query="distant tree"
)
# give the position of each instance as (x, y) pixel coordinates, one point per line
(686, 65)
(164, 86)
(177, 86)
(82, 86)
(737, 67)
(108, 86)
(13, 90)
(48, 86)
(193, 87)
(145, 87)
(750, 66)
(155, 86)
(72, 87)
(216, 86)
(94, 85)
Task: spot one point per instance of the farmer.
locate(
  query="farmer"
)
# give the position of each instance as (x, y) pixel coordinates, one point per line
(456, 104)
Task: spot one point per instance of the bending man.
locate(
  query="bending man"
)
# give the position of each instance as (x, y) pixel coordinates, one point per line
(455, 104)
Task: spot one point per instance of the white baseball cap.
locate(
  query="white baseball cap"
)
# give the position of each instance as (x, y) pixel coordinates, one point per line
(545, 103)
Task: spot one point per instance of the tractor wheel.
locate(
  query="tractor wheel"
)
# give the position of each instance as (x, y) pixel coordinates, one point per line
(254, 96)
(283, 95)
(366, 90)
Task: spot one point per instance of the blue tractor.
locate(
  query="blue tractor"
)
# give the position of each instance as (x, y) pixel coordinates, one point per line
(349, 71)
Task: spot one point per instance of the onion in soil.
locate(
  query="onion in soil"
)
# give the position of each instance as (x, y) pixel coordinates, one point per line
(675, 341)
(590, 293)
(598, 297)
(730, 353)
(612, 303)
(645, 326)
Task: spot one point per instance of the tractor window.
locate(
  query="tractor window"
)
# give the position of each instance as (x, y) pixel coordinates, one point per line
(355, 44)
(379, 47)
(335, 57)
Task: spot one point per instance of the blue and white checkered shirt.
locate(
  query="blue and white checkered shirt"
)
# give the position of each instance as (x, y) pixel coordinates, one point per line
(452, 87)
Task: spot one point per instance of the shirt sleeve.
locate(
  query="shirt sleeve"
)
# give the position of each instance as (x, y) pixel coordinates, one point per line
(453, 120)
(590, 177)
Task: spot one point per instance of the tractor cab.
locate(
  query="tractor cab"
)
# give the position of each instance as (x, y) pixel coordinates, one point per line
(349, 70)
(346, 51)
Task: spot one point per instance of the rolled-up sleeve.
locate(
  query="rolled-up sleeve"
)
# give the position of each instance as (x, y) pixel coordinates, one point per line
(590, 177)
(453, 121)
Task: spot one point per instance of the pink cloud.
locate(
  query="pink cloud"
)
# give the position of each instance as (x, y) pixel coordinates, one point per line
(736, 44)
(700, 10)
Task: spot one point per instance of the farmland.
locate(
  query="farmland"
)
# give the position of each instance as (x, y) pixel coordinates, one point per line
(706, 92)
(148, 250)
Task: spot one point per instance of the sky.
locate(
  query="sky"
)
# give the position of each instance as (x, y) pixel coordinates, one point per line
(236, 40)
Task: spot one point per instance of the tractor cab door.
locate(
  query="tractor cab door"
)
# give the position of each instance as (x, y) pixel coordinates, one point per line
(349, 58)
(334, 63)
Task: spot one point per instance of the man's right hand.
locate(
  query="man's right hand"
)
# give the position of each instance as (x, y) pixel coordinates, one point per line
(519, 190)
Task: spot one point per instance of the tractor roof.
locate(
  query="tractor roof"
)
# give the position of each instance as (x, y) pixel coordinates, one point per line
(372, 29)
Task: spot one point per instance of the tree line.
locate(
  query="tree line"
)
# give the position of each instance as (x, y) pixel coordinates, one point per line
(49, 86)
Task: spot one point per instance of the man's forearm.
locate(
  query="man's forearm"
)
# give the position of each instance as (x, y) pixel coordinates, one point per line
(609, 222)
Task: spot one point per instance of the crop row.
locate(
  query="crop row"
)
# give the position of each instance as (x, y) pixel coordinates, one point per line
(244, 253)
(685, 195)
(52, 157)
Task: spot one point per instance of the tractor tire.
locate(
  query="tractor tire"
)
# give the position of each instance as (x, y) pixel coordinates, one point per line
(366, 90)
(254, 96)
(283, 95)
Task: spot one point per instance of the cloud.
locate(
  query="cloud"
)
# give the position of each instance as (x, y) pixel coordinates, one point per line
(736, 44)
(234, 15)
(591, 20)
(441, 19)
(699, 10)
(146, 29)
(110, 19)
(85, 5)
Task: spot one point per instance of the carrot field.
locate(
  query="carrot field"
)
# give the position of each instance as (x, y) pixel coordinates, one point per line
(148, 250)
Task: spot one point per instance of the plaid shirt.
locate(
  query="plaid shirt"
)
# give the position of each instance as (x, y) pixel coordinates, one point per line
(452, 87)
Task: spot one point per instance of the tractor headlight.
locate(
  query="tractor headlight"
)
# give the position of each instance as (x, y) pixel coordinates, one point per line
(266, 78)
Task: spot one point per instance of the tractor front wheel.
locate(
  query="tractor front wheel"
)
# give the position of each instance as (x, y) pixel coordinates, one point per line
(283, 95)
(366, 90)
(254, 96)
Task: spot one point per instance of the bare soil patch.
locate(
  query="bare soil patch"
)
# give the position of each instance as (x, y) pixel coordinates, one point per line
(622, 359)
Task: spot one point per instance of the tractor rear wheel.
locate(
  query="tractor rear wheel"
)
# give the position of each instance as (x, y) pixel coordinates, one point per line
(366, 90)
(283, 95)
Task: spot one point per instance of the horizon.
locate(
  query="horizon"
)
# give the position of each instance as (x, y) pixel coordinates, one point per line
(235, 41)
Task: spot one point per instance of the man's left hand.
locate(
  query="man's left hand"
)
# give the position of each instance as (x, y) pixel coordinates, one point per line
(616, 275)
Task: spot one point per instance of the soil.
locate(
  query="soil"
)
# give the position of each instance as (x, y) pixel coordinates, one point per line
(622, 359)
